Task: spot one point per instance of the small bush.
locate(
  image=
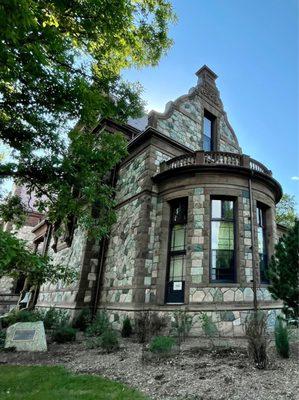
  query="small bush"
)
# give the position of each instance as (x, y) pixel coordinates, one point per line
(282, 339)
(82, 320)
(141, 326)
(209, 328)
(181, 325)
(55, 318)
(256, 332)
(93, 342)
(99, 325)
(64, 334)
(127, 328)
(21, 316)
(148, 324)
(109, 340)
(161, 344)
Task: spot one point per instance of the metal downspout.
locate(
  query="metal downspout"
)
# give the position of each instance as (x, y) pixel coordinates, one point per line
(102, 254)
(254, 270)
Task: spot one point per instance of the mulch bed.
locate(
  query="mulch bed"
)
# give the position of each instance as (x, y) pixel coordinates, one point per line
(196, 373)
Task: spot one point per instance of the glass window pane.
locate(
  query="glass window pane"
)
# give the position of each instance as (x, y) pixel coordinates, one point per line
(222, 265)
(222, 235)
(178, 238)
(264, 268)
(177, 268)
(216, 208)
(179, 212)
(228, 209)
(207, 127)
(223, 259)
(207, 143)
(260, 235)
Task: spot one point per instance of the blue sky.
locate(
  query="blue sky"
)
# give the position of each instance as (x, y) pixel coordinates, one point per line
(253, 48)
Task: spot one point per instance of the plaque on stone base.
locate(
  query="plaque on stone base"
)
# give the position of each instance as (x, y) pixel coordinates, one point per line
(26, 336)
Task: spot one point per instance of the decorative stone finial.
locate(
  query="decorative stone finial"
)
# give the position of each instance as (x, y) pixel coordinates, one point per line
(206, 74)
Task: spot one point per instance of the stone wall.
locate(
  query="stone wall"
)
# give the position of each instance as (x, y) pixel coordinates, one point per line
(227, 141)
(183, 120)
(230, 322)
(131, 178)
(121, 255)
(59, 295)
(196, 237)
(185, 128)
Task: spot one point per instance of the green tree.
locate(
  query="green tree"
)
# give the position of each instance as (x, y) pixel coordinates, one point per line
(60, 63)
(285, 211)
(16, 259)
(284, 271)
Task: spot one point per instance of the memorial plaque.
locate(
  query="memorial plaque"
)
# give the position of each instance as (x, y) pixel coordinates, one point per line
(26, 336)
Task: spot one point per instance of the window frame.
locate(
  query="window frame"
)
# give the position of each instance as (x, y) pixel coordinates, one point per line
(212, 118)
(174, 253)
(233, 220)
(261, 211)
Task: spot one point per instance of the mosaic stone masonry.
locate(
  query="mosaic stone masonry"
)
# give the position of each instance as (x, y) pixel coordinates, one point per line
(121, 255)
(195, 233)
(131, 178)
(59, 294)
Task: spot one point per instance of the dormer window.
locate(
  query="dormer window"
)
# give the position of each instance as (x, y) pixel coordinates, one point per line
(208, 131)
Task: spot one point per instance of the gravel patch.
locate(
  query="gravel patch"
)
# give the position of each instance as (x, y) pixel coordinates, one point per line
(194, 374)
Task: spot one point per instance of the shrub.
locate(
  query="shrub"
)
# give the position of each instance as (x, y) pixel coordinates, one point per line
(141, 326)
(282, 339)
(55, 318)
(148, 324)
(209, 327)
(64, 334)
(256, 332)
(93, 342)
(161, 344)
(21, 316)
(2, 339)
(127, 328)
(99, 325)
(109, 340)
(82, 320)
(181, 325)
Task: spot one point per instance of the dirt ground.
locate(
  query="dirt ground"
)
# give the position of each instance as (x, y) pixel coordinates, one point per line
(193, 374)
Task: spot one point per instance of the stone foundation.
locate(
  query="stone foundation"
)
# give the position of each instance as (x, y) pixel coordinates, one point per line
(230, 323)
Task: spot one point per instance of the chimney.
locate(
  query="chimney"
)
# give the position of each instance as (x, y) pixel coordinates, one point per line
(205, 74)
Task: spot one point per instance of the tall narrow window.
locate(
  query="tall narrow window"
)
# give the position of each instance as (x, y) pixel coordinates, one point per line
(222, 241)
(177, 252)
(208, 127)
(262, 244)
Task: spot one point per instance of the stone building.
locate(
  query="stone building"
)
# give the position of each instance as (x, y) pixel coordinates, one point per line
(195, 218)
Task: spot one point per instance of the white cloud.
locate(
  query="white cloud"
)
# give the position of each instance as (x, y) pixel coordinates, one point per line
(295, 178)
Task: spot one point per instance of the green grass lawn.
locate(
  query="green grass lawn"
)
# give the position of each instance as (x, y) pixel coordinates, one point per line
(56, 383)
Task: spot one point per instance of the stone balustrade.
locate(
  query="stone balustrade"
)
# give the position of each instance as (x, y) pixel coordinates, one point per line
(214, 158)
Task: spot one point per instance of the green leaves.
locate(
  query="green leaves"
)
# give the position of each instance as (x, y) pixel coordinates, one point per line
(13, 210)
(284, 272)
(17, 259)
(61, 63)
(285, 211)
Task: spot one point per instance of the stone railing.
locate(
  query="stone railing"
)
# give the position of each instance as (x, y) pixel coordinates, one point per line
(214, 158)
